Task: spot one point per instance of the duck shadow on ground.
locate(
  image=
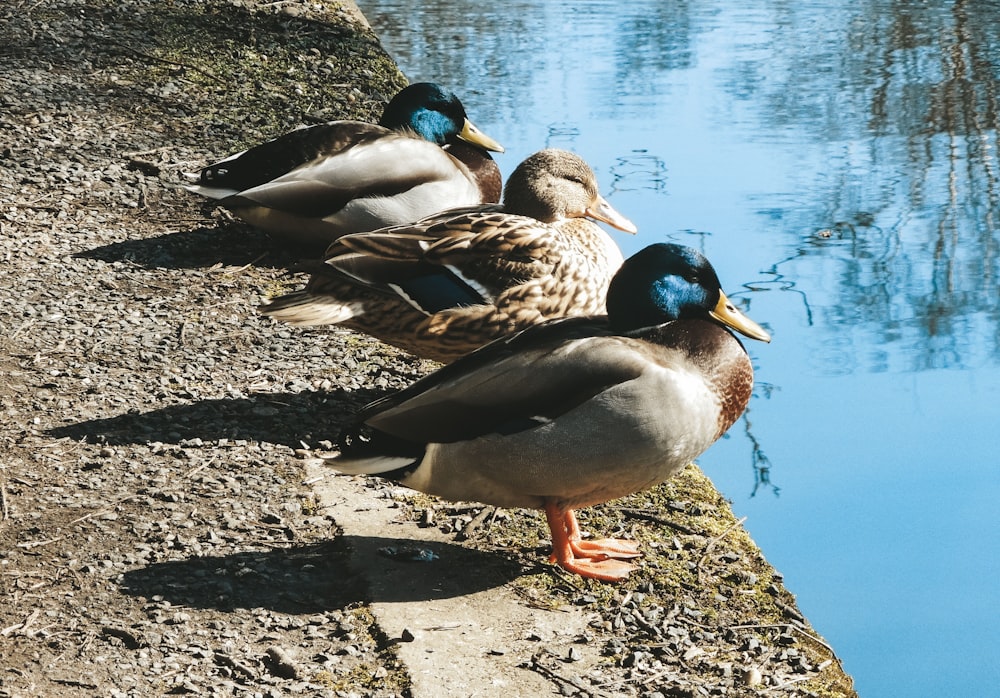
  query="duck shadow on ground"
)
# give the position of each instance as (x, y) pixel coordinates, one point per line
(323, 576)
(290, 419)
(231, 244)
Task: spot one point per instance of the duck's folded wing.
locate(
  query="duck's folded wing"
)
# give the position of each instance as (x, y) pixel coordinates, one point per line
(512, 251)
(510, 385)
(279, 156)
(427, 287)
(385, 165)
(412, 240)
(449, 261)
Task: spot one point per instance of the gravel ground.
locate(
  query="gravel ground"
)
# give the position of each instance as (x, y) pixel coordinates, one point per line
(157, 535)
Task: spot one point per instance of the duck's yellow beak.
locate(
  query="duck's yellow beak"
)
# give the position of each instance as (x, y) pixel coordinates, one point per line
(727, 313)
(603, 211)
(471, 134)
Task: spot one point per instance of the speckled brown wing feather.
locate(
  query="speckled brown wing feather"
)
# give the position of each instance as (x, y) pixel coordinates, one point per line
(331, 297)
(492, 250)
(534, 270)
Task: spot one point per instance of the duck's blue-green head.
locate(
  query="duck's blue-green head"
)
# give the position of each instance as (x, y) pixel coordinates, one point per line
(435, 114)
(665, 282)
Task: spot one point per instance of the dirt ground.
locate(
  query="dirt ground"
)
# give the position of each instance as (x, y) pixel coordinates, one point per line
(166, 526)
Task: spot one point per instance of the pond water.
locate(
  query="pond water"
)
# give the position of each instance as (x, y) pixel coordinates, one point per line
(837, 163)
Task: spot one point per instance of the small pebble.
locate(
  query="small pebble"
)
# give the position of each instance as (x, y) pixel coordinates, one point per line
(752, 676)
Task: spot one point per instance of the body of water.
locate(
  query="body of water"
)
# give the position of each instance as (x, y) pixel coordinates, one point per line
(837, 163)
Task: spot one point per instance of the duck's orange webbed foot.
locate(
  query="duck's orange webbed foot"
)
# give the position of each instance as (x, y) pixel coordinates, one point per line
(605, 548)
(600, 549)
(597, 559)
(604, 570)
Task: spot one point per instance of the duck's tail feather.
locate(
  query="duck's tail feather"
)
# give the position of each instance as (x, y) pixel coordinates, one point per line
(216, 192)
(304, 309)
(383, 465)
(368, 451)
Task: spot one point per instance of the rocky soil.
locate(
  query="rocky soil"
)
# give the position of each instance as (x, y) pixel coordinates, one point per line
(163, 525)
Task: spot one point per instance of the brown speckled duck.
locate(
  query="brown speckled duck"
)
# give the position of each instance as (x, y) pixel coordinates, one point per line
(314, 184)
(450, 283)
(576, 411)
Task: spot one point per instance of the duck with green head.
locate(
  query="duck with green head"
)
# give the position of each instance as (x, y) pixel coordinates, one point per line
(450, 283)
(573, 412)
(314, 184)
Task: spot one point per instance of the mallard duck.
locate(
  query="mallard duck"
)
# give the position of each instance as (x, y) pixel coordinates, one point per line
(450, 283)
(314, 184)
(573, 412)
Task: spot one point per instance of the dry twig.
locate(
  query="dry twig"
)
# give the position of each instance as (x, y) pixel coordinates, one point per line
(715, 541)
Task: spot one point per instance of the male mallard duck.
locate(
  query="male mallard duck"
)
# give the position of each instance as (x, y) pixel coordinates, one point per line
(573, 412)
(450, 283)
(316, 183)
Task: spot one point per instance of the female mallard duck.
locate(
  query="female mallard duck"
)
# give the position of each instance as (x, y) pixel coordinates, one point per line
(576, 411)
(450, 283)
(316, 183)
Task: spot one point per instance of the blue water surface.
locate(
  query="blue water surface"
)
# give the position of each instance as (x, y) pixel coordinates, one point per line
(837, 163)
